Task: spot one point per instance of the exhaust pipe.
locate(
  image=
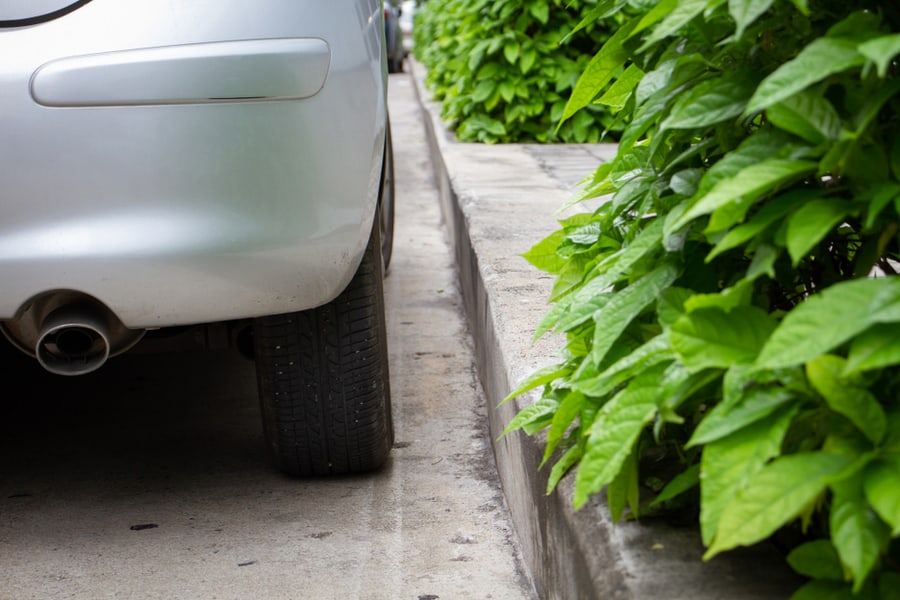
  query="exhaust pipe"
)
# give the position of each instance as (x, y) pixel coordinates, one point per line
(69, 333)
(73, 340)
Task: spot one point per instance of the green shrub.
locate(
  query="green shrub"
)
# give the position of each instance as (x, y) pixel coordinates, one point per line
(732, 308)
(499, 71)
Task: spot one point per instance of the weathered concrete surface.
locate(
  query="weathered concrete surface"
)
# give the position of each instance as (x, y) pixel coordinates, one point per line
(499, 201)
(174, 442)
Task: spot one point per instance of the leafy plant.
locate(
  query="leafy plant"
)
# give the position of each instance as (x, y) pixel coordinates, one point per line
(732, 307)
(502, 69)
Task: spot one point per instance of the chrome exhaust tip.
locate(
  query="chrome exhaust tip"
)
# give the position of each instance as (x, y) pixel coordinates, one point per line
(73, 340)
(69, 333)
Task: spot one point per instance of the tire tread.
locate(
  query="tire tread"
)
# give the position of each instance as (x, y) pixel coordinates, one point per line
(323, 379)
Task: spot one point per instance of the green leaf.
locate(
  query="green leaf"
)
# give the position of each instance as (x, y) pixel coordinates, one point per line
(728, 464)
(745, 12)
(507, 90)
(684, 481)
(745, 188)
(802, 6)
(613, 435)
(532, 413)
(872, 107)
(618, 93)
(484, 123)
(756, 404)
(741, 294)
(762, 145)
(858, 25)
(603, 9)
(845, 397)
(876, 348)
(678, 385)
(883, 194)
(817, 559)
(645, 117)
(543, 254)
(830, 318)
(602, 68)
(811, 223)
(568, 313)
(570, 276)
(570, 407)
(489, 71)
(538, 378)
(806, 115)
(599, 184)
(655, 81)
(763, 263)
(881, 490)
(587, 234)
(568, 460)
(772, 212)
(476, 56)
(611, 320)
(511, 51)
(824, 590)
(581, 311)
(495, 44)
(686, 182)
(655, 15)
(820, 59)
(683, 13)
(866, 167)
(711, 337)
(670, 305)
(711, 101)
(624, 489)
(632, 192)
(529, 57)
(881, 51)
(540, 10)
(483, 90)
(857, 535)
(773, 497)
(649, 354)
(738, 380)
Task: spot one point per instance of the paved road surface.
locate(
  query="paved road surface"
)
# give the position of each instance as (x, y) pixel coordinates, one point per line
(149, 479)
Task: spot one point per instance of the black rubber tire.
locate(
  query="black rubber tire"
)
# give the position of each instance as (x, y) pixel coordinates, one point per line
(395, 65)
(323, 379)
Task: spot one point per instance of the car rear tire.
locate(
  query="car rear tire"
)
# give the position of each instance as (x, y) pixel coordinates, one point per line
(323, 379)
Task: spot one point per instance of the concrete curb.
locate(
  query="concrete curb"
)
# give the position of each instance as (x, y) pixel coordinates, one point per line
(497, 202)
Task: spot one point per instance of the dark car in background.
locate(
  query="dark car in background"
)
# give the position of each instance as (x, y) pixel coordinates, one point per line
(393, 37)
(407, 13)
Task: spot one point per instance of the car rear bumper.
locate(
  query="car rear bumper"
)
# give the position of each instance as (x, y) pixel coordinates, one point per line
(234, 184)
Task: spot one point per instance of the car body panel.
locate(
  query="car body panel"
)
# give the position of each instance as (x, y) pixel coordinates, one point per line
(209, 201)
(20, 11)
(252, 70)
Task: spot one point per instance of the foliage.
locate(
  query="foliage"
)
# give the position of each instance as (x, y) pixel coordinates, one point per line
(731, 307)
(502, 69)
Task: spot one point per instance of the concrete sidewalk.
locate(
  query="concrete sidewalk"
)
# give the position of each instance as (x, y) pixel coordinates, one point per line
(498, 201)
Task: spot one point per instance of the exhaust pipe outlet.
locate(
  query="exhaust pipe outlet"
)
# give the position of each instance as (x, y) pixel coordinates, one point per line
(73, 340)
(69, 333)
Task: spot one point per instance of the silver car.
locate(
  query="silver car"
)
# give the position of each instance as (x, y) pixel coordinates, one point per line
(206, 163)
